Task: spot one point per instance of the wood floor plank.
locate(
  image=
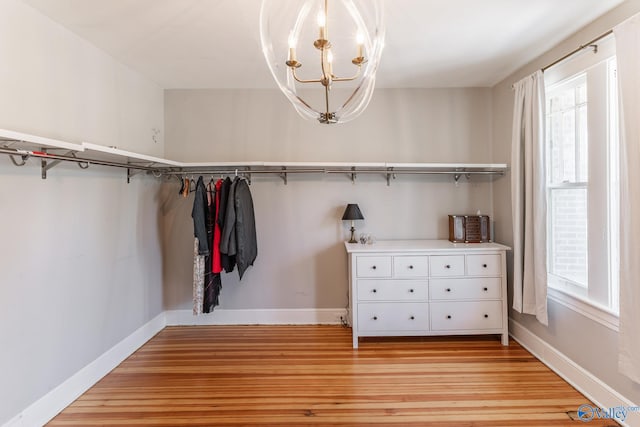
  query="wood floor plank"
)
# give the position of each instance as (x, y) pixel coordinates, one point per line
(310, 375)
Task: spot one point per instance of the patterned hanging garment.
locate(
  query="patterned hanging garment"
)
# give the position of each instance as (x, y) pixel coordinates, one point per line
(198, 279)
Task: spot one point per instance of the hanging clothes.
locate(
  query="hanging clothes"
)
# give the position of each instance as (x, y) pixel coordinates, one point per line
(217, 234)
(199, 213)
(213, 282)
(245, 228)
(239, 233)
(228, 240)
(198, 279)
(227, 261)
(225, 230)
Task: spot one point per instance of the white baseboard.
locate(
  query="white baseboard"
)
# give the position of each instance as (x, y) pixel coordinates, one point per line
(48, 406)
(303, 316)
(584, 381)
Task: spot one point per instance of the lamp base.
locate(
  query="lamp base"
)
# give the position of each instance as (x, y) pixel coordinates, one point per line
(353, 235)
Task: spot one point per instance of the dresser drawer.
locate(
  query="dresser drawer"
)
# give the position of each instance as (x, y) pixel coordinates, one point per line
(483, 265)
(468, 315)
(399, 316)
(392, 290)
(446, 265)
(465, 288)
(410, 266)
(373, 266)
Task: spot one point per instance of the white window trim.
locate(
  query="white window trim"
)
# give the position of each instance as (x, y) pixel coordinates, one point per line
(556, 291)
(587, 308)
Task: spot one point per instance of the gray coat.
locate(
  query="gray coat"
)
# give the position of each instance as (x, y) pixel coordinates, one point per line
(239, 233)
(199, 214)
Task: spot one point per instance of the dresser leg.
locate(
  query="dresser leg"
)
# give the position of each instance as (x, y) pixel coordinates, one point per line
(505, 339)
(355, 341)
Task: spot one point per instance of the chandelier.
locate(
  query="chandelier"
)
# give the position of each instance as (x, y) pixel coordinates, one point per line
(331, 45)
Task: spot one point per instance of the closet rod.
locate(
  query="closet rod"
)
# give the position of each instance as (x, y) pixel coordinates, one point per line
(418, 172)
(239, 171)
(65, 158)
(392, 171)
(581, 47)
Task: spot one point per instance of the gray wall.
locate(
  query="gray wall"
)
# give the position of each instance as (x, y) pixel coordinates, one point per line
(80, 255)
(301, 258)
(588, 343)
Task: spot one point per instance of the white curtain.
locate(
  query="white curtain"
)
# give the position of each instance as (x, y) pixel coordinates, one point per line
(528, 198)
(627, 37)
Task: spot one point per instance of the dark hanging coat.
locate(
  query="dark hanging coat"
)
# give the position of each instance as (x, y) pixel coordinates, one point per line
(199, 213)
(246, 240)
(228, 261)
(239, 233)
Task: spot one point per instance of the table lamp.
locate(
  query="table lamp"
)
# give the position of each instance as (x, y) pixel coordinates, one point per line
(352, 213)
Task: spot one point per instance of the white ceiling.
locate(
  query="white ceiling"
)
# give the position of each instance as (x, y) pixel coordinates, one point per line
(430, 43)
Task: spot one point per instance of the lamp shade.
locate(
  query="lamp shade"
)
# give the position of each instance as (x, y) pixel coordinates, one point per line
(352, 212)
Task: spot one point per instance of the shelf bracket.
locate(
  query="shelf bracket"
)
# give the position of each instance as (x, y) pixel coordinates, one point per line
(130, 174)
(133, 172)
(45, 166)
(283, 175)
(353, 174)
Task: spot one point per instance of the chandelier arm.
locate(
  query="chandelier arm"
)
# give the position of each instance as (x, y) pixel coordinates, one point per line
(299, 80)
(345, 79)
(348, 79)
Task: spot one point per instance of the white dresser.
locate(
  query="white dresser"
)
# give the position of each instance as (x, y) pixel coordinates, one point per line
(427, 287)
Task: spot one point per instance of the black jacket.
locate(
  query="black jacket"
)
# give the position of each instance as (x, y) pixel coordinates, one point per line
(246, 241)
(199, 214)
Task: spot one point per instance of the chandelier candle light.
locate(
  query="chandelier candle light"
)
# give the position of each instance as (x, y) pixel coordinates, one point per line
(357, 32)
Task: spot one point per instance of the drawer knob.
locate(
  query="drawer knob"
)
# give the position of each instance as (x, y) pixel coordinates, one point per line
(486, 316)
(411, 267)
(448, 316)
(485, 289)
(447, 266)
(411, 290)
(374, 291)
(375, 317)
(412, 317)
(484, 265)
(374, 267)
(448, 289)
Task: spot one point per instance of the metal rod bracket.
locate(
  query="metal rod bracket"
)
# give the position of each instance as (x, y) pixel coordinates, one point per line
(24, 157)
(390, 174)
(131, 173)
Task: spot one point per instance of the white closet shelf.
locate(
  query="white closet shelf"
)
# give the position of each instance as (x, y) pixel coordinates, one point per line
(16, 144)
(24, 141)
(100, 152)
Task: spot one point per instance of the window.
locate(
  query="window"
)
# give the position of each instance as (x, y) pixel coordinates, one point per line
(582, 180)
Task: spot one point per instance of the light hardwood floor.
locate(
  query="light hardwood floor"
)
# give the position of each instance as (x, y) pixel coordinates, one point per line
(310, 375)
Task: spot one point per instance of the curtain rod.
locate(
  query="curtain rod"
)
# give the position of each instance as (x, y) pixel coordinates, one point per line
(573, 52)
